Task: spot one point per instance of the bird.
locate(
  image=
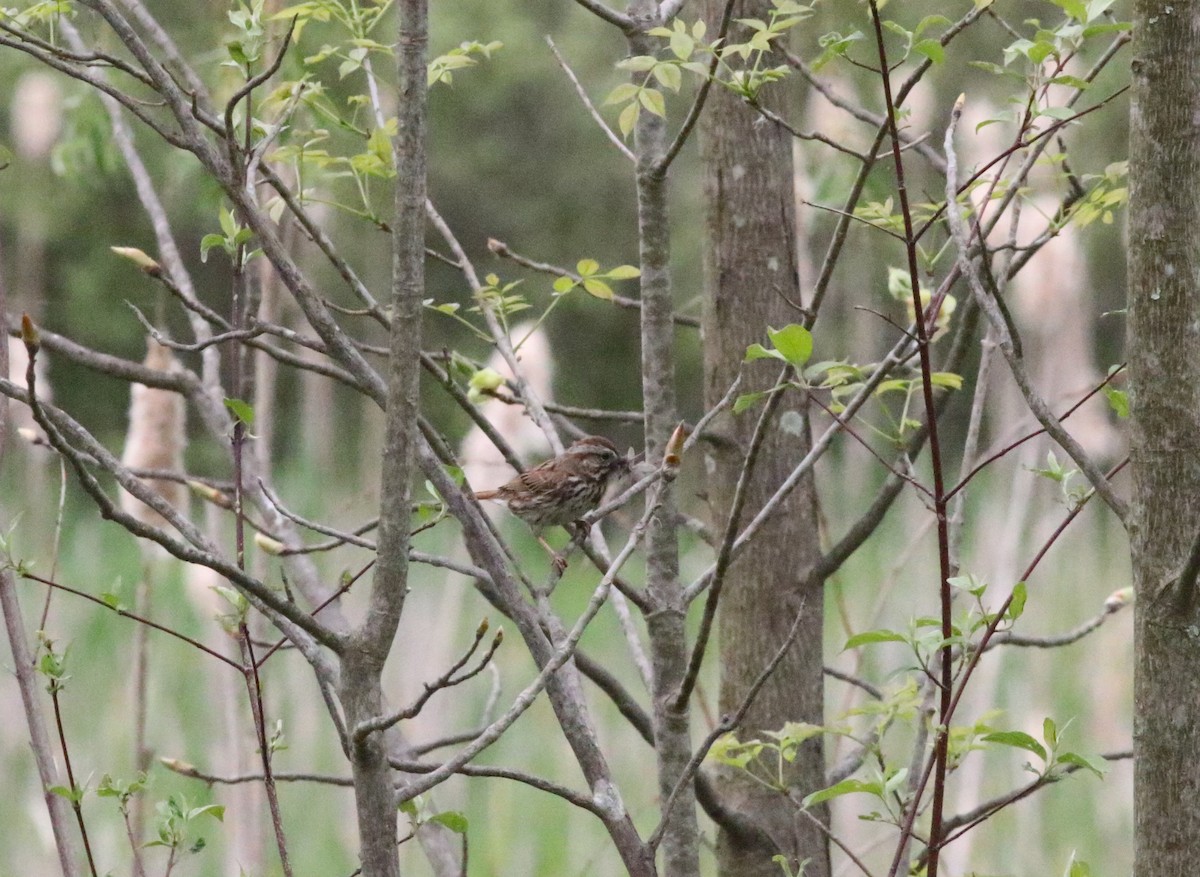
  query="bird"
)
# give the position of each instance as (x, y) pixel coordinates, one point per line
(563, 489)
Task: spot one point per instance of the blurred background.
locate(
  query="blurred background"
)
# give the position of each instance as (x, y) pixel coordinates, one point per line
(516, 157)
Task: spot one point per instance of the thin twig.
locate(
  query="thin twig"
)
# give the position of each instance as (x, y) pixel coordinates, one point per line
(561, 654)
(591, 108)
(446, 680)
(987, 297)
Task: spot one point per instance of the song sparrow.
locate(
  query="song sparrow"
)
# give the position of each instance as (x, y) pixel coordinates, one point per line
(562, 489)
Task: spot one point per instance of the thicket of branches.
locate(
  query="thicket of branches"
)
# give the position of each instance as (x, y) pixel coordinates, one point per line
(959, 249)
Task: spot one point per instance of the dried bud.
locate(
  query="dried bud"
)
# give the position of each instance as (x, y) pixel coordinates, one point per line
(139, 258)
(29, 335)
(498, 247)
(671, 457)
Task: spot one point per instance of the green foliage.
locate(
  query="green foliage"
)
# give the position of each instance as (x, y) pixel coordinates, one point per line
(1109, 191)
(792, 344)
(246, 49)
(243, 411)
(122, 791)
(417, 811)
(177, 822)
(441, 68)
(52, 665)
(1072, 493)
(592, 280)
(233, 239)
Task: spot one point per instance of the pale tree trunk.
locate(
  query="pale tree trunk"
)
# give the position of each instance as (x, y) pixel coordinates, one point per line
(749, 272)
(1164, 372)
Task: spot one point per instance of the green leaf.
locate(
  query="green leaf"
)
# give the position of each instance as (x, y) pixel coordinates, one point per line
(1017, 607)
(1050, 732)
(794, 342)
(486, 379)
(746, 400)
(598, 288)
(968, 583)
(757, 351)
(564, 284)
(624, 272)
(874, 636)
(243, 411)
(1018, 739)
(1091, 763)
(1057, 113)
(628, 118)
(208, 242)
(669, 76)
(228, 225)
(1118, 400)
(652, 99)
(682, 45)
(931, 49)
(929, 21)
(217, 811)
(729, 750)
(1077, 9)
(587, 267)
(894, 385)
(638, 63)
(948, 380)
(845, 787)
(452, 819)
(623, 92)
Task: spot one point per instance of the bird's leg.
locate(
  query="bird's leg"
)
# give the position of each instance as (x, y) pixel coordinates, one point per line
(560, 562)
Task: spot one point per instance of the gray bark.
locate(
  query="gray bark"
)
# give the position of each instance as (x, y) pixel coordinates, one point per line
(749, 270)
(667, 614)
(1164, 372)
(368, 646)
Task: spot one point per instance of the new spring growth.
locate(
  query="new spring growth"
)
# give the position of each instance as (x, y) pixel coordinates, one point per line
(30, 336)
(269, 545)
(139, 258)
(216, 497)
(483, 628)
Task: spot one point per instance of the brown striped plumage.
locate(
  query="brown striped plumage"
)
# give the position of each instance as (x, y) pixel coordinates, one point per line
(562, 489)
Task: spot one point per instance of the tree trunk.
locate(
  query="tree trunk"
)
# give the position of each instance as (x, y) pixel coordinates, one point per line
(665, 621)
(1164, 373)
(750, 276)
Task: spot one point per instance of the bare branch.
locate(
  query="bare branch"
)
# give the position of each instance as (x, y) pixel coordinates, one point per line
(605, 13)
(583, 96)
